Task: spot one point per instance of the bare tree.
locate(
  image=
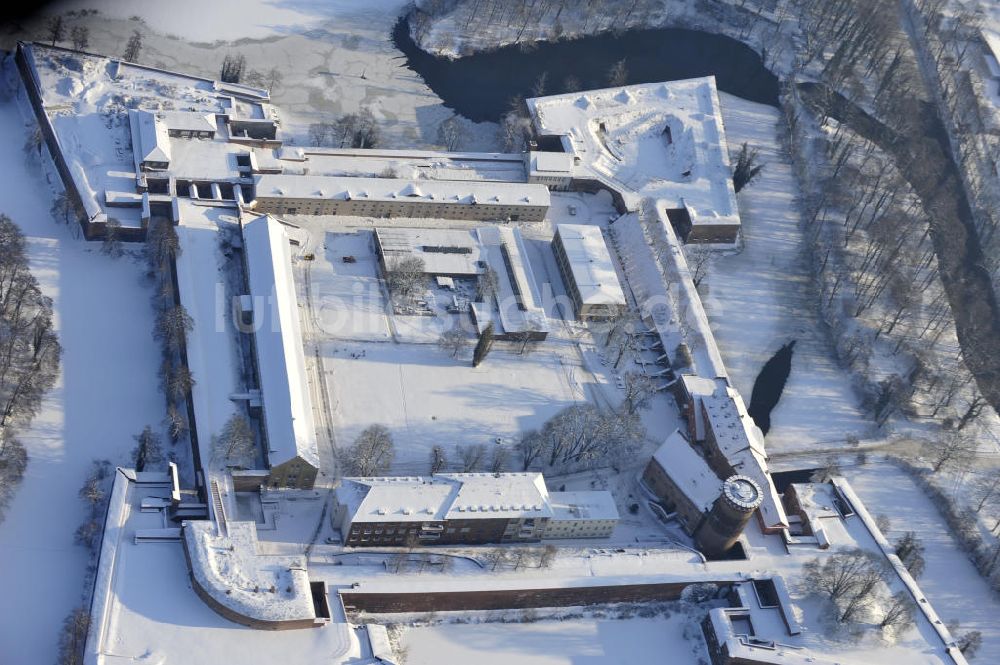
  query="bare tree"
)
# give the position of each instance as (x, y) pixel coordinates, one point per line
(950, 451)
(486, 284)
(540, 85)
(175, 423)
(899, 613)
(148, 449)
(366, 133)
(318, 133)
(405, 276)
(549, 553)
(438, 459)
(829, 470)
(572, 84)
(747, 167)
(639, 391)
(848, 579)
(80, 36)
(618, 74)
(970, 643)
(55, 29)
(699, 259)
(172, 326)
(233, 67)
(133, 47)
(451, 133)
(499, 458)
(112, 243)
(273, 79)
(178, 382)
(531, 448)
(471, 457)
(454, 340)
(73, 637)
(371, 454)
(63, 207)
(236, 442)
(483, 346)
(33, 144)
(910, 550)
(986, 490)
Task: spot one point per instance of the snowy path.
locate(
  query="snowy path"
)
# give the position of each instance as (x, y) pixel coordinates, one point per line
(761, 298)
(107, 392)
(951, 582)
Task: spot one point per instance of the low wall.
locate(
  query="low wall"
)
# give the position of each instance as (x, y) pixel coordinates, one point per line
(31, 87)
(500, 599)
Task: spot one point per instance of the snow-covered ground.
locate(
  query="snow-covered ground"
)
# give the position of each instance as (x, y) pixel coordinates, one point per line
(761, 298)
(335, 57)
(950, 581)
(109, 368)
(227, 20)
(578, 641)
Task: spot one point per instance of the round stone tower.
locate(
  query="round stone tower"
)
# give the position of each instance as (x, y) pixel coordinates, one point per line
(723, 524)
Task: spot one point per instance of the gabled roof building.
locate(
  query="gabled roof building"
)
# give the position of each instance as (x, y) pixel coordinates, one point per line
(292, 451)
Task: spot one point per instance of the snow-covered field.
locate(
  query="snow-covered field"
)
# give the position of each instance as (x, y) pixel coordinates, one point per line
(576, 641)
(227, 20)
(761, 298)
(109, 368)
(950, 581)
(425, 397)
(335, 57)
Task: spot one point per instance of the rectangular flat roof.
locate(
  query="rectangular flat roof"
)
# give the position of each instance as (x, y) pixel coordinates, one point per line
(443, 251)
(591, 264)
(445, 496)
(585, 505)
(278, 341)
(551, 163)
(394, 189)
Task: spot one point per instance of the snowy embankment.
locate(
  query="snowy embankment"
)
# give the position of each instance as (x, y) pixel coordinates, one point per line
(762, 297)
(950, 581)
(107, 392)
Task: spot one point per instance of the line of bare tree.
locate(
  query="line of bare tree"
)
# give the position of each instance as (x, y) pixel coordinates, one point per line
(353, 130)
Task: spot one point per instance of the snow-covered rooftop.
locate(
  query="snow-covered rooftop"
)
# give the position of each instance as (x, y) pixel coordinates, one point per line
(518, 302)
(444, 251)
(445, 496)
(587, 505)
(742, 443)
(150, 141)
(394, 189)
(278, 341)
(689, 471)
(187, 121)
(550, 164)
(406, 164)
(591, 264)
(662, 140)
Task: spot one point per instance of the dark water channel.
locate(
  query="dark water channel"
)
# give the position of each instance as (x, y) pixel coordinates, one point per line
(769, 385)
(480, 86)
